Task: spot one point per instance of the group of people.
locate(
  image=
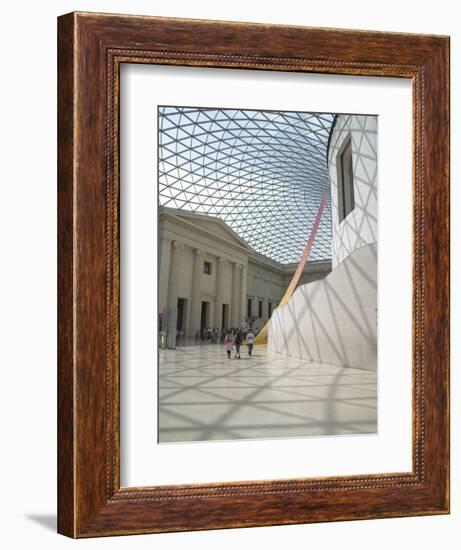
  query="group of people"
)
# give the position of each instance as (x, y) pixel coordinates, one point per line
(237, 338)
(233, 337)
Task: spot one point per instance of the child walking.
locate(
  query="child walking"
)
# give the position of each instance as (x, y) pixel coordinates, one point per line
(228, 345)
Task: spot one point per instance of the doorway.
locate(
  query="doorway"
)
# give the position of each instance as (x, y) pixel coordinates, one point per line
(181, 318)
(205, 315)
(225, 317)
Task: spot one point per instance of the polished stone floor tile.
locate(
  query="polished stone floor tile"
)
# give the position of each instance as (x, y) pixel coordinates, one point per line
(203, 396)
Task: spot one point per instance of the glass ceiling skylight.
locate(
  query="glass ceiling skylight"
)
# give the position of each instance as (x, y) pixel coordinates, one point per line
(261, 172)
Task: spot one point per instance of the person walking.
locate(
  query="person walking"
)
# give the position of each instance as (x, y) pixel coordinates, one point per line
(250, 341)
(228, 344)
(238, 342)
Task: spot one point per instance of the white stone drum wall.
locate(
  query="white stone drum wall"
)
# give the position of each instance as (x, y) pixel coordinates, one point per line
(360, 226)
(332, 320)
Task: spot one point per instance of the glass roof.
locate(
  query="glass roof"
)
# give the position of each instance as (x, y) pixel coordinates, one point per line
(261, 172)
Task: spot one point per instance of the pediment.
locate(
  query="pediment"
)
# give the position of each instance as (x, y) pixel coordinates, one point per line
(220, 229)
(211, 225)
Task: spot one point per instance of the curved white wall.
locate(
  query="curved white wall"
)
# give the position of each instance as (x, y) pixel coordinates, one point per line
(332, 320)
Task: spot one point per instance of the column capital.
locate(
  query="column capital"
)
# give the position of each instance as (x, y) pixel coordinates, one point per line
(238, 266)
(222, 260)
(198, 252)
(177, 244)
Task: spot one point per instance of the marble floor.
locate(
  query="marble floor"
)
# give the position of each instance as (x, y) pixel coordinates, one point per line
(204, 396)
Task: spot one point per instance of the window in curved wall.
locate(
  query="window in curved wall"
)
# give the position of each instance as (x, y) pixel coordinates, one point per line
(346, 200)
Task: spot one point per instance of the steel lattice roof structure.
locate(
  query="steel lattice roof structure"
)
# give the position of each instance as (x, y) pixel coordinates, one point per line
(261, 172)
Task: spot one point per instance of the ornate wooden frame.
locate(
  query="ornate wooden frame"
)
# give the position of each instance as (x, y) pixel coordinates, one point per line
(91, 49)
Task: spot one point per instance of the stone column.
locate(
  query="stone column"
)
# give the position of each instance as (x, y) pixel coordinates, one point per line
(219, 297)
(177, 248)
(236, 298)
(264, 300)
(172, 320)
(243, 292)
(164, 259)
(195, 295)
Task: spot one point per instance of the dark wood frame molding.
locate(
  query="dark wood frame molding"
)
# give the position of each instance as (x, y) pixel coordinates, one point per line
(91, 48)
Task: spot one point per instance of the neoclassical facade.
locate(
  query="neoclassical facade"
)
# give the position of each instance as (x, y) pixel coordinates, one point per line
(210, 278)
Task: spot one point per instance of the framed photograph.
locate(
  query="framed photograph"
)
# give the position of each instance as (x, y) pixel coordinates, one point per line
(253, 259)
